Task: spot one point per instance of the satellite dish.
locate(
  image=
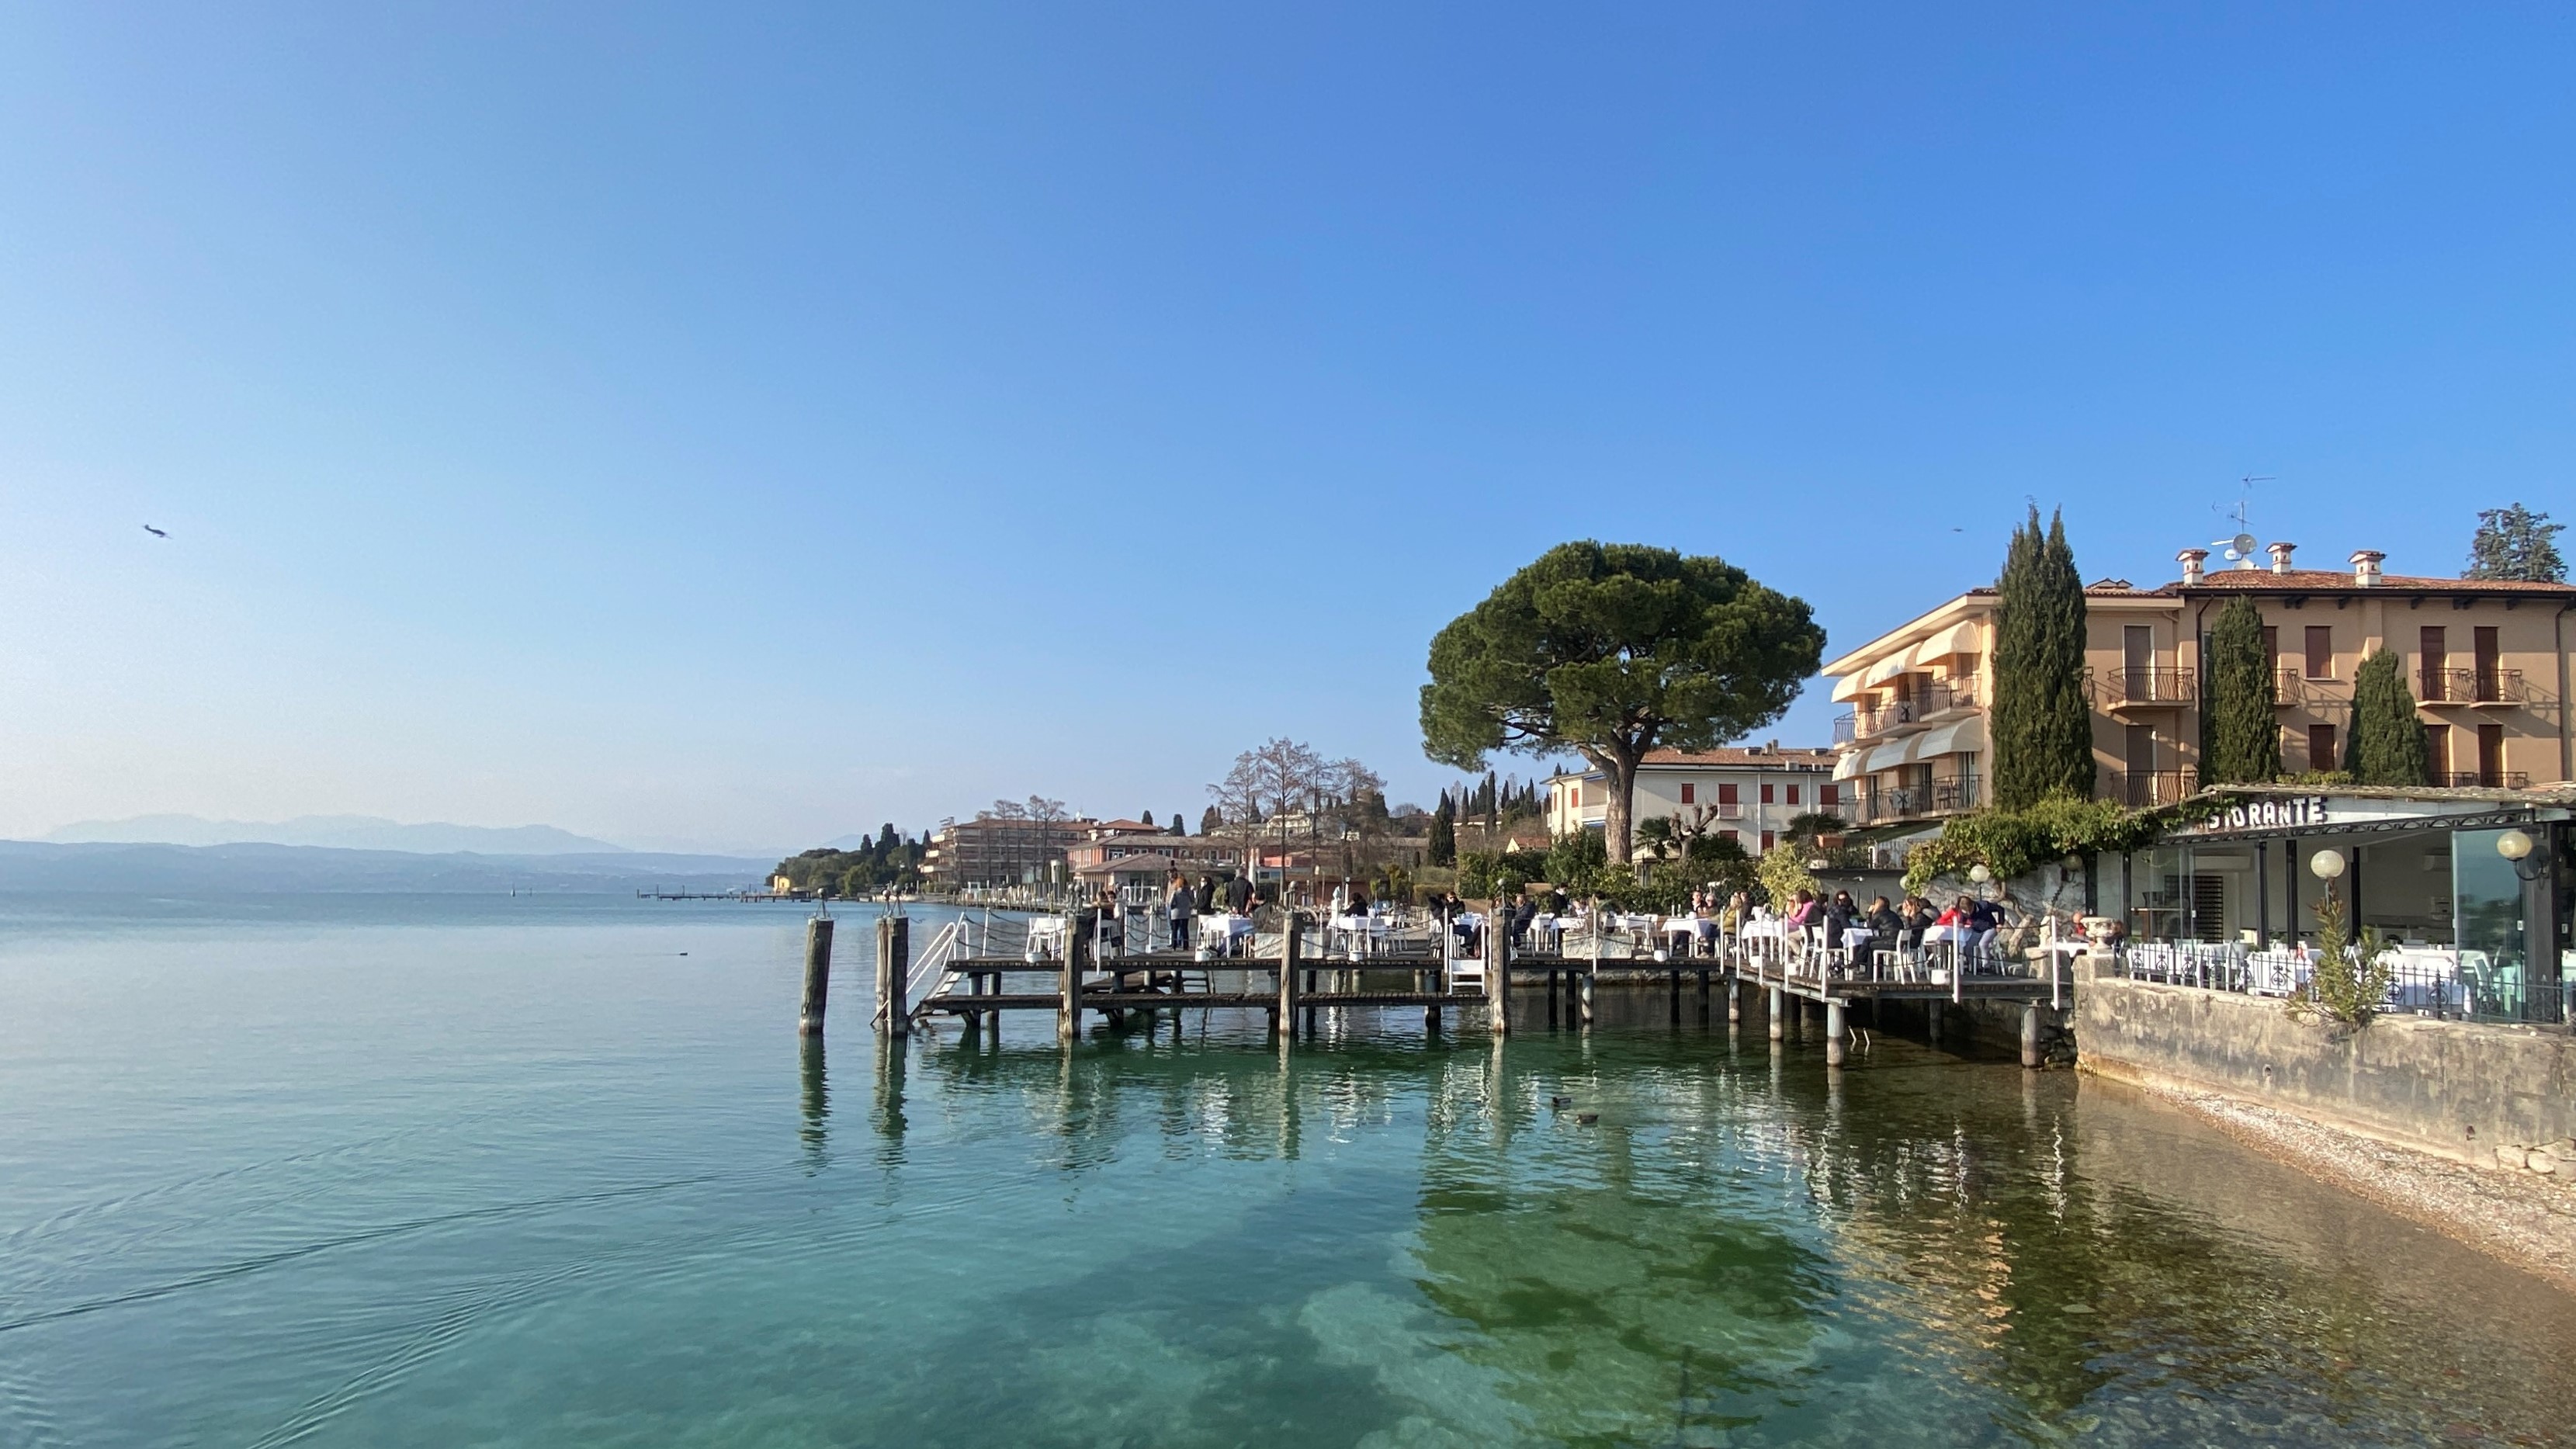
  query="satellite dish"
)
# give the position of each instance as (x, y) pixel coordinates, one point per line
(2242, 545)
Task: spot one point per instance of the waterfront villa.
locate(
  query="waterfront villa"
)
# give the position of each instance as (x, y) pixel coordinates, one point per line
(1748, 792)
(2487, 660)
(2468, 878)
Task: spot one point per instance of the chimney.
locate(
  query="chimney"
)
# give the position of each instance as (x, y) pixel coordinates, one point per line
(2365, 567)
(2281, 557)
(2191, 561)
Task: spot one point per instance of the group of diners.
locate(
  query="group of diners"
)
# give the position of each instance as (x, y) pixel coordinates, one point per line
(1716, 927)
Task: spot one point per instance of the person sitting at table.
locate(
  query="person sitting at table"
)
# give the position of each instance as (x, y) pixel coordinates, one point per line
(1918, 915)
(1883, 921)
(1739, 909)
(1801, 912)
(1522, 915)
(1839, 915)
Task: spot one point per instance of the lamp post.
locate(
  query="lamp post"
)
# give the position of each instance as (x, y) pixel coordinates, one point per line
(2515, 846)
(2327, 866)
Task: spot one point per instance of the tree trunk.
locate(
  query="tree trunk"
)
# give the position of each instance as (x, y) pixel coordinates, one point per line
(1617, 811)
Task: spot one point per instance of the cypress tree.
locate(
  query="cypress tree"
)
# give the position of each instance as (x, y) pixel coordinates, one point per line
(1444, 838)
(2240, 728)
(2386, 746)
(2042, 725)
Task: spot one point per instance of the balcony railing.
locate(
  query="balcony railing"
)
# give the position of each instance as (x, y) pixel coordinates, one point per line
(1926, 702)
(2140, 788)
(2157, 685)
(2471, 686)
(2484, 779)
(2292, 684)
(1942, 797)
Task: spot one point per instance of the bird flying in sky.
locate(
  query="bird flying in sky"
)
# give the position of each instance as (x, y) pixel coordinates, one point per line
(156, 533)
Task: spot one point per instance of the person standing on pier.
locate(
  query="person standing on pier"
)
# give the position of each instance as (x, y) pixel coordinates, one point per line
(1182, 905)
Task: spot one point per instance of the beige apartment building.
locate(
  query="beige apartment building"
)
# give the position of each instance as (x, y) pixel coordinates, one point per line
(1750, 792)
(2488, 661)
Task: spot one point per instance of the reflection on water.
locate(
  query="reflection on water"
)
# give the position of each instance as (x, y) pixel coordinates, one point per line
(508, 1184)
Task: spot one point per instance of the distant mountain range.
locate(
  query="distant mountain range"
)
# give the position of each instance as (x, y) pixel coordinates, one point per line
(27, 865)
(335, 832)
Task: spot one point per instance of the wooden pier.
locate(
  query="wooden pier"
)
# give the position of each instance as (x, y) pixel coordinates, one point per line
(1291, 979)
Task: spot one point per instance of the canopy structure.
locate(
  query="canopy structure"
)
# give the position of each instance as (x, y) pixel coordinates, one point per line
(1849, 688)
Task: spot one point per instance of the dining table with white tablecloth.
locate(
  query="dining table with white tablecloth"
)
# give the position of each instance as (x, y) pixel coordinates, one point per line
(1221, 934)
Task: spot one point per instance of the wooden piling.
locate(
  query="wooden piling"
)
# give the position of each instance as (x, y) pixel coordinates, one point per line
(1289, 949)
(1835, 1032)
(2030, 1035)
(1734, 998)
(1596, 974)
(894, 962)
(1068, 1011)
(1779, 1012)
(1498, 967)
(818, 976)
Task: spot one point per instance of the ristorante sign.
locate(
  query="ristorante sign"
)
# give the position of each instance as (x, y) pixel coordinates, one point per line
(2293, 813)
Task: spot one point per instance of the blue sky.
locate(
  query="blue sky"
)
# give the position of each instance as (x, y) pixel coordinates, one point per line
(734, 426)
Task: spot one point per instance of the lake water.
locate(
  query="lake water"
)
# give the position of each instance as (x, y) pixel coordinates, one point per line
(446, 1171)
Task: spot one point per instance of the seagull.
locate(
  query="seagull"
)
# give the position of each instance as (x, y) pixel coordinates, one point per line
(156, 533)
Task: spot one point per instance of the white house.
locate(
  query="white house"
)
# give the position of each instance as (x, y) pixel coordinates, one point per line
(1750, 791)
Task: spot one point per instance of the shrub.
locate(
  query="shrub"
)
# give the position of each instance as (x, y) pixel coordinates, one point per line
(2351, 980)
(1783, 873)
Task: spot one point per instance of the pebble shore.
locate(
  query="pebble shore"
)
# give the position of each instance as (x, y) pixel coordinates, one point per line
(2521, 1217)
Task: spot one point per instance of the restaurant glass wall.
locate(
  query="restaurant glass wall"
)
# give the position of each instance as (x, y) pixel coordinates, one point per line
(2158, 901)
(2486, 904)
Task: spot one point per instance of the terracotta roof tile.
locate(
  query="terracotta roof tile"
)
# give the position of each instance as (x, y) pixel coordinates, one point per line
(2322, 580)
(1739, 755)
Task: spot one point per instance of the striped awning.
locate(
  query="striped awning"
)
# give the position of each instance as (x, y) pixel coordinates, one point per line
(1959, 737)
(1960, 638)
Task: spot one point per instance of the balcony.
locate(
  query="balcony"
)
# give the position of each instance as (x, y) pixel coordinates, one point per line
(2292, 685)
(2139, 789)
(2153, 686)
(2484, 779)
(1927, 702)
(2471, 686)
(1947, 796)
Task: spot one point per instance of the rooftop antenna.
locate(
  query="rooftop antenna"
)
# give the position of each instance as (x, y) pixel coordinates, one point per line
(2240, 549)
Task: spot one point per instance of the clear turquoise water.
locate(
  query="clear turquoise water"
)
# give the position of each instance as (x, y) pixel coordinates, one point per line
(448, 1171)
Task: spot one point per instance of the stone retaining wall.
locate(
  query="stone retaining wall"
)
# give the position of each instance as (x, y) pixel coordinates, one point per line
(2451, 1087)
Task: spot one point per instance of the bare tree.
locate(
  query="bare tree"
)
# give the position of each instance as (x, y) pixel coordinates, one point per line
(1285, 788)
